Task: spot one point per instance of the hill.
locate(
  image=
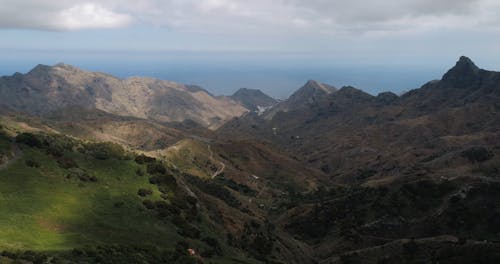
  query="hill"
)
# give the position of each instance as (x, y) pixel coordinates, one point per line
(46, 90)
(326, 176)
(254, 100)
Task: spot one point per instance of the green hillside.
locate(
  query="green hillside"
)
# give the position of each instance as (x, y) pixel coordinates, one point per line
(95, 202)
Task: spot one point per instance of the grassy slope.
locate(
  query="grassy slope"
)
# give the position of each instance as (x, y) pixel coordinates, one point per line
(42, 210)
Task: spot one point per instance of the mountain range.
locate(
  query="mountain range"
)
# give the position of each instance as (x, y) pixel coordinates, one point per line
(106, 170)
(47, 90)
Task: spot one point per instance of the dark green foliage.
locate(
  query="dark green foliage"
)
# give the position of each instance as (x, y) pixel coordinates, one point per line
(32, 163)
(477, 154)
(56, 145)
(191, 200)
(112, 254)
(215, 190)
(156, 168)
(66, 162)
(26, 256)
(144, 192)
(180, 202)
(215, 247)
(139, 172)
(165, 179)
(105, 150)
(258, 240)
(165, 209)
(142, 159)
(344, 210)
(188, 260)
(241, 188)
(364, 174)
(148, 204)
(82, 175)
(29, 139)
(186, 229)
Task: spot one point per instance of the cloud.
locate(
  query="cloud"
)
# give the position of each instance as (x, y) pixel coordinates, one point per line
(316, 16)
(254, 17)
(59, 15)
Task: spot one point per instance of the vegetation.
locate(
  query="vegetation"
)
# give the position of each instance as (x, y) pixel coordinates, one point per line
(66, 200)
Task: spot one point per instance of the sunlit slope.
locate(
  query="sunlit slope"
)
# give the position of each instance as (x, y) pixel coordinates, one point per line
(49, 208)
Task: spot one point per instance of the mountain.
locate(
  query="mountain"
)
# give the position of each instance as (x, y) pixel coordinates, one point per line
(306, 96)
(326, 176)
(253, 99)
(48, 89)
(416, 168)
(462, 104)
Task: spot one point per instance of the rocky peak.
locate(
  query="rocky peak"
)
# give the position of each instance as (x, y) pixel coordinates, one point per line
(464, 74)
(39, 70)
(312, 91)
(253, 99)
(317, 86)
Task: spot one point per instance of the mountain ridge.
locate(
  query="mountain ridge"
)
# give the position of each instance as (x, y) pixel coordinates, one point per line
(46, 89)
(254, 99)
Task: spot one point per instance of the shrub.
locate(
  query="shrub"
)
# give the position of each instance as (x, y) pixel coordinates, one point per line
(32, 164)
(215, 190)
(29, 139)
(477, 154)
(139, 172)
(55, 150)
(186, 229)
(167, 179)
(105, 150)
(141, 159)
(144, 192)
(148, 204)
(66, 162)
(81, 175)
(156, 168)
(215, 246)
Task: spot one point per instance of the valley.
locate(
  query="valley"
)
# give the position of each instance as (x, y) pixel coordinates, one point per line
(97, 169)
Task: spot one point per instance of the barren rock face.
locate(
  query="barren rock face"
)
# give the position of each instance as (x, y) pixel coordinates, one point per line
(46, 89)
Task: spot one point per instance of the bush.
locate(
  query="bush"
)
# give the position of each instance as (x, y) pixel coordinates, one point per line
(156, 168)
(167, 179)
(141, 159)
(29, 139)
(55, 150)
(186, 229)
(32, 164)
(148, 204)
(81, 175)
(216, 190)
(66, 162)
(105, 150)
(144, 192)
(477, 154)
(215, 246)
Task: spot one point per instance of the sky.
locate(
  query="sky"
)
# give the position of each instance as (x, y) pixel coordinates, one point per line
(276, 46)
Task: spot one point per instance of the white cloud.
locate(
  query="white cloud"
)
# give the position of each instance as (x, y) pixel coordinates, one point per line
(89, 15)
(316, 16)
(254, 17)
(59, 15)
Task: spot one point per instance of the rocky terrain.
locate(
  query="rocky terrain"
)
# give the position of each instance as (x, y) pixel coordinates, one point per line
(327, 176)
(254, 100)
(48, 90)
